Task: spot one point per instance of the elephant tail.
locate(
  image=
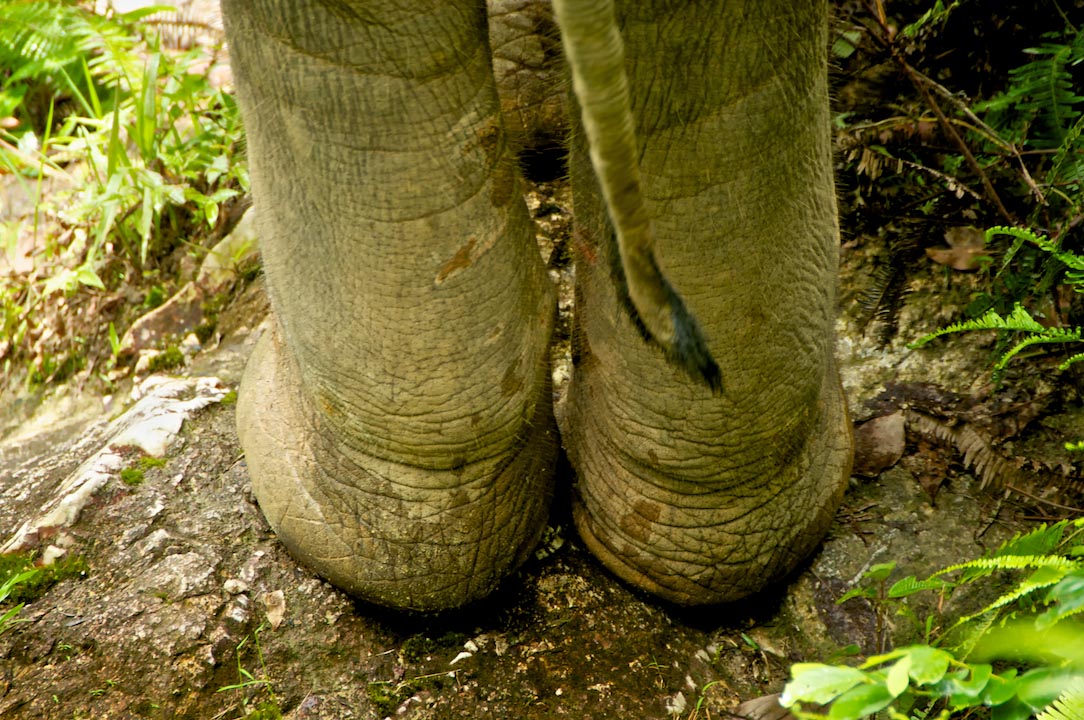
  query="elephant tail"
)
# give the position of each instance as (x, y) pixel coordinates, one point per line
(596, 56)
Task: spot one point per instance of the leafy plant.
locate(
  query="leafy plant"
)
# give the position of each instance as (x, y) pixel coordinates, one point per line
(1020, 320)
(1041, 96)
(61, 51)
(37, 580)
(957, 131)
(247, 681)
(141, 149)
(1021, 654)
(1068, 706)
(10, 616)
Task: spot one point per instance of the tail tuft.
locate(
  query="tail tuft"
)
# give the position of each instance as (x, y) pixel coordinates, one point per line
(689, 349)
(684, 343)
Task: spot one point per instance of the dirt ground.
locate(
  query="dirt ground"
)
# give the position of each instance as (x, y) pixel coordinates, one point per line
(186, 606)
(189, 608)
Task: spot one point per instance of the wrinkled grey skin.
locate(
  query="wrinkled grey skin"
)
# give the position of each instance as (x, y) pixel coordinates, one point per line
(694, 497)
(397, 421)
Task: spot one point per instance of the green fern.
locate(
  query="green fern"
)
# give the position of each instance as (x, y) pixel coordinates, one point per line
(1067, 166)
(1074, 273)
(1020, 657)
(1041, 92)
(1020, 320)
(1017, 321)
(1068, 706)
(1049, 571)
(42, 43)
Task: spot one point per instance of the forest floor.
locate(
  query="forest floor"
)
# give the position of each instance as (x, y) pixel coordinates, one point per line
(187, 606)
(179, 602)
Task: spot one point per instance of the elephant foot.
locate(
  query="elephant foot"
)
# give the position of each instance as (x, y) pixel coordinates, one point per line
(690, 534)
(402, 536)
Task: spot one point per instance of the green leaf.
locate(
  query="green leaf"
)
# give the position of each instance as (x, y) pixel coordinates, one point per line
(219, 166)
(63, 281)
(1000, 688)
(909, 586)
(820, 684)
(15, 580)
(1041, 686)
(1068, 706)
(861, 701)
(896, 681)
(858, 592)
(1067, 598)
(86, 275)
(114, 341)
(1061, 644)
(115, 156)
(845, 45)
(964, 693)
(880, 572)
(1040, 541)
(1012, 709)
(928, 664)
(146, 215)
(147, 114)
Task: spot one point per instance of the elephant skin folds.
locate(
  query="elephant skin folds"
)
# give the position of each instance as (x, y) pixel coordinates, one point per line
(713, 539)
(395, 535)
(697, 496)
(397, 422)
(397, 419)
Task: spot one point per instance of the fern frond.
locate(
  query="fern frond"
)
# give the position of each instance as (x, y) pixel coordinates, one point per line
(1049, 571)
(1043, 540)
(1018, 320)
(1074, 273)
(33, 40)
(881, 300)
(1013, 562)
(1070, 360)
(1068, 706)
(1066, 165)
(53, 39)
(1044, 89)
(1070, 259)
(1048, 335)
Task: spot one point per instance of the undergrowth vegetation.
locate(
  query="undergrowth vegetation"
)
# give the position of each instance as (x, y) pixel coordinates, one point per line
(966, 117)
(1018, 655)
(963, 126)
(127, 154)
(22, 581)
(1020, 321)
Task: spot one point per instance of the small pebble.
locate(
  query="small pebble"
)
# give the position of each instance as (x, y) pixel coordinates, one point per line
(235, 586)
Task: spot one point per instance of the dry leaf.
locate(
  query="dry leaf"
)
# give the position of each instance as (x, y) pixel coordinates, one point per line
(965, 246)
(275, 605)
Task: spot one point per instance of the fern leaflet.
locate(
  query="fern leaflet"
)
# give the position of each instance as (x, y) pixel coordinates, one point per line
(1068, 706)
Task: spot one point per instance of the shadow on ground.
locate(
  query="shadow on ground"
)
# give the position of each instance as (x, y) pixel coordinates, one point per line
(190, 608)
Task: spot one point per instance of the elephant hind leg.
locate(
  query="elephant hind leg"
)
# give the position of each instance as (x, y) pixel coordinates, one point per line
(395, 535)
(704, 497)
(398, 422)
(713, 539)
(596, 58)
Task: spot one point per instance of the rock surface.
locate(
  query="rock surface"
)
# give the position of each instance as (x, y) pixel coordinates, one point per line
(190, 608)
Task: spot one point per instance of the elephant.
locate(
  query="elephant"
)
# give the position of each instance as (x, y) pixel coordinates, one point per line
(397, 418)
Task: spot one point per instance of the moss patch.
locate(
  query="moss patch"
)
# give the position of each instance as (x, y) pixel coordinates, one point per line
(168, 359)
(149, 461)
(416, 648)
(36, 586)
